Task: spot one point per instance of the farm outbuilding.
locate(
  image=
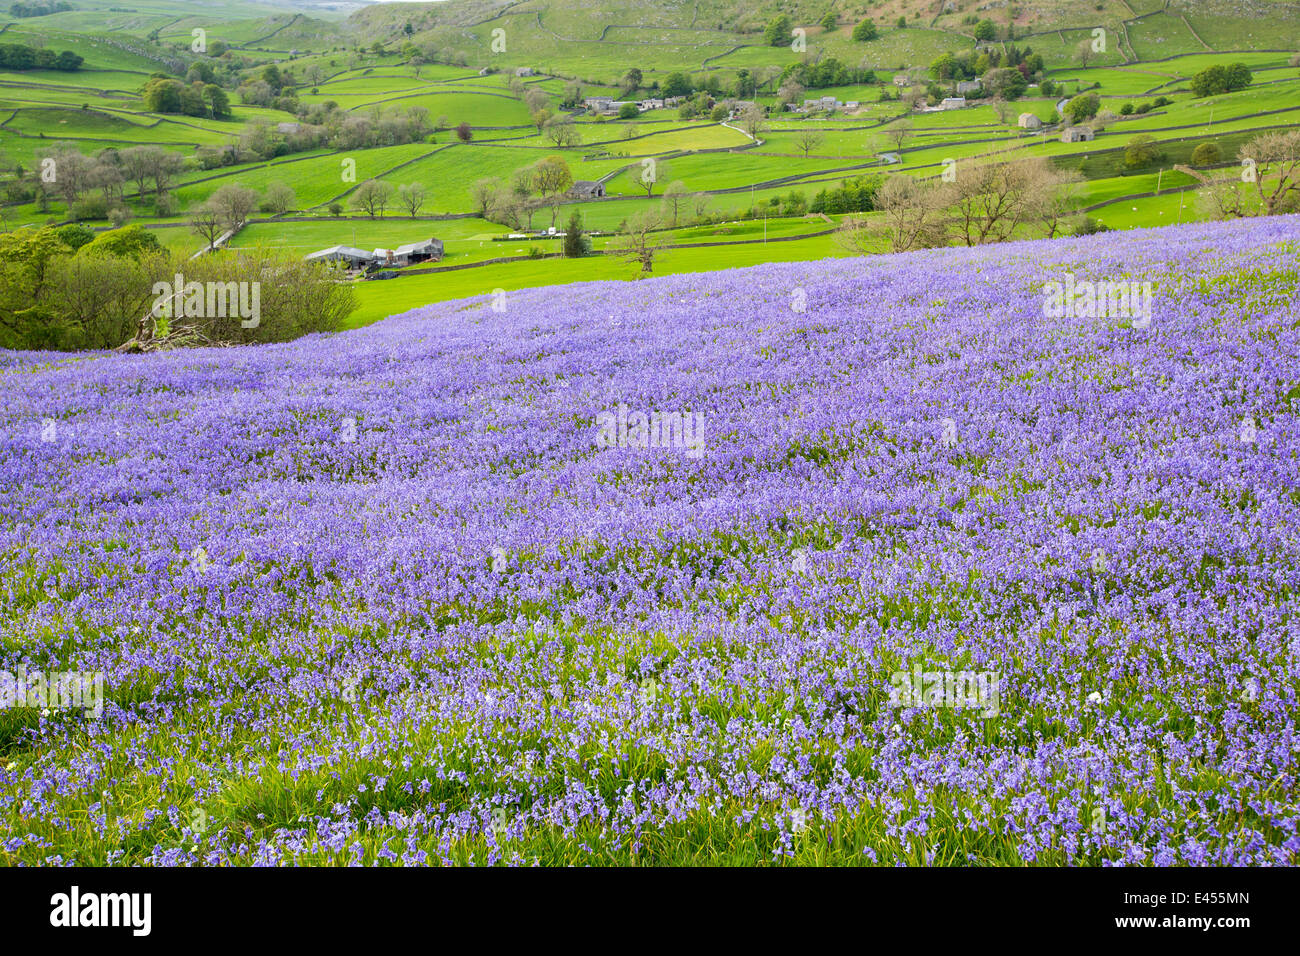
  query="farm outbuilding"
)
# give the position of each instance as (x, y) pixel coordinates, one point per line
(1078, 134)
(355, 258)
(1029, 121)
(587, 189)
(424, 251)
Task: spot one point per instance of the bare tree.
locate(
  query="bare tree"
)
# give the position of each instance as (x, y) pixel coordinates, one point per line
(791, 92)
(1083, 52)
(637, 244)
(991, 201)
(700, 204)
(535, 100)
(136, 164)
(808, 139)
(1276, 159)
(561, 131)
(553, 179)
(1059, 203)
(280, 198)
(897, 131)
(507, 208)
(372, 197)
(412, 196)
(234, 204)
(675, 199)
(1225, 198)
(206, 223)
(650, 172)
(752, 120)
(68, 173)
(860, 234)
(164, 167)
(914, 212)
(482, 192)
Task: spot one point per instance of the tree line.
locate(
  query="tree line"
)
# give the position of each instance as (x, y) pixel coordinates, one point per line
(65, 289)
(19, 56)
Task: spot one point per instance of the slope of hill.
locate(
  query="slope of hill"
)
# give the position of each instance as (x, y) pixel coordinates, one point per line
(591, 40)
(420, 591)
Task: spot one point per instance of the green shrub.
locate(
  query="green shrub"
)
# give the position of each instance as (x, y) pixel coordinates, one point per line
(1206, 154)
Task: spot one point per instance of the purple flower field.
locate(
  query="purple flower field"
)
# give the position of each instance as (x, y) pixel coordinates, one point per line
(387, 596)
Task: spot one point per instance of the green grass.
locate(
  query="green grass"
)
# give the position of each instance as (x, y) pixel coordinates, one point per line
(378, 300)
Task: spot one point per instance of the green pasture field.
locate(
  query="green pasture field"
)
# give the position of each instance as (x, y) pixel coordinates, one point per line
(458, 235)
(316, 179)
(1267, 32)
(477, 109)
(378, 300)
(100, 51)
(704, 172)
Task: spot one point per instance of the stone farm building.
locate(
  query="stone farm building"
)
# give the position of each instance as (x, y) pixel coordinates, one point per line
(822, 103)
(1029, 121)
(427, 250)
(355, 258)
(1078, 134)
(587, 189)
(953, 103)
(968, 86)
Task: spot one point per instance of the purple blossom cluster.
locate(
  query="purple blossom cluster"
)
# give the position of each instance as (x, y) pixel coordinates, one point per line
(376, 596)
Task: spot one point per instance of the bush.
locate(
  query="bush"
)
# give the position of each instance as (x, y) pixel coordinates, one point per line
(75, 235)
(1087, 226)
(295, 297)
(89, 207)
(1206, 154)
(1083, 107)
(1221, 79)
(865, 31)
(1141, 150)
(131, 242)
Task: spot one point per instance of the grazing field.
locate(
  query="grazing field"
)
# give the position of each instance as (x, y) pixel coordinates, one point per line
(346, 616)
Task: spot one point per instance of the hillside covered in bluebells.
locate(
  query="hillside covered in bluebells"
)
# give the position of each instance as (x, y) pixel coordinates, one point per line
(437, 590)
